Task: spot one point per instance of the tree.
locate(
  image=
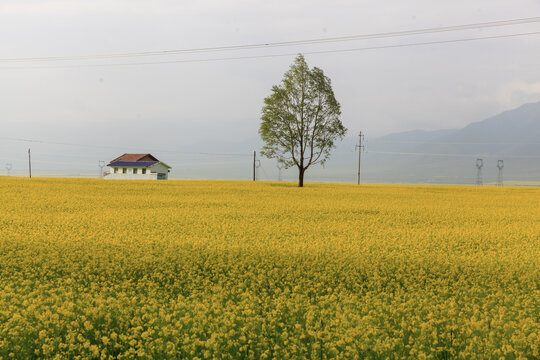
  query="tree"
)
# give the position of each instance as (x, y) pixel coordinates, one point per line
(300, 119)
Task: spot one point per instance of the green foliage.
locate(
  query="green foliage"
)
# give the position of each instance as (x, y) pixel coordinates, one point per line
(300, 119)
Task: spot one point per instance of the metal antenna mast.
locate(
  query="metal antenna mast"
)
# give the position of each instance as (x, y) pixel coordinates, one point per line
(101, 164)
(479, 165)
(8, 168)
(360, 148)
(500, 165)
(280, 167)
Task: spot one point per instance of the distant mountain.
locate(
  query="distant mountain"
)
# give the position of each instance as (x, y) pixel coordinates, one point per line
(518, 125)
(448, 156)
(419, 135)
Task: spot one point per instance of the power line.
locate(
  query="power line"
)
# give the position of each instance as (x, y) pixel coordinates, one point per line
(284, 43)
(251, 155)
(91, 161)
(456, 143)
(120, 148)
(272, 55)
(450, 155)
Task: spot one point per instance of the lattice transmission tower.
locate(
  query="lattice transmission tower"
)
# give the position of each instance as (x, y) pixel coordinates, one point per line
(500, 165)
(101, 165)
(280, 167)
(479, 166)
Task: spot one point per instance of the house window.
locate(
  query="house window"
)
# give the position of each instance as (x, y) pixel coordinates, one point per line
(116, 170)
(144, 171)
(124, 170)
(135, 171)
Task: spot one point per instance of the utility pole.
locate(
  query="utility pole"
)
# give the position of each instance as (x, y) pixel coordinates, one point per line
(29, 164)
(254, 160)
(8, 168)
(360, 148)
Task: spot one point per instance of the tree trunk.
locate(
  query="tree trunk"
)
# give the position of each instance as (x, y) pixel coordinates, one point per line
(301, 177)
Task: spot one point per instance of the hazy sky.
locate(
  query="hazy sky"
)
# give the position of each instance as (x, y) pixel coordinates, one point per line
(215, 106)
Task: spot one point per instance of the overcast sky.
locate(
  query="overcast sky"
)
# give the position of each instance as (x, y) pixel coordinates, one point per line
(214, 106)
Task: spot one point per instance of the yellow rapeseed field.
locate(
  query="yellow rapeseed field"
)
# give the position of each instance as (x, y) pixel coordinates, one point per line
(94, 269)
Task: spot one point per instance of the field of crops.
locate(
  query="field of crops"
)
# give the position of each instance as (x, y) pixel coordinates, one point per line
(239, 270)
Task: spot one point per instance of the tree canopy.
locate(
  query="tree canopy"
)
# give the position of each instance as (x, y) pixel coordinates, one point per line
(300, 119)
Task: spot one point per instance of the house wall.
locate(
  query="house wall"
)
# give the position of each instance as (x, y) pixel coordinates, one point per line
(130, 175)
(160, 168)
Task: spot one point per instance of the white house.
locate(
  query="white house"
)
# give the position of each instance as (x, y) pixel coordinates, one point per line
(138, 167)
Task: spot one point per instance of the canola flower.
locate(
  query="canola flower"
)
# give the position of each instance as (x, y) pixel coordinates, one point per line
(93, 269)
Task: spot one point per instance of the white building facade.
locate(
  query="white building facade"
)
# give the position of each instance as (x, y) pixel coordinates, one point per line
(137, 167)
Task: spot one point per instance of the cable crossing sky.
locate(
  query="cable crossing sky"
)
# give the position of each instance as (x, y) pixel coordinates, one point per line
(493, 24)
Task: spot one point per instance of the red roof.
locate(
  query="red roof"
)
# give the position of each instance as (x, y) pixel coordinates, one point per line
(135, 157)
